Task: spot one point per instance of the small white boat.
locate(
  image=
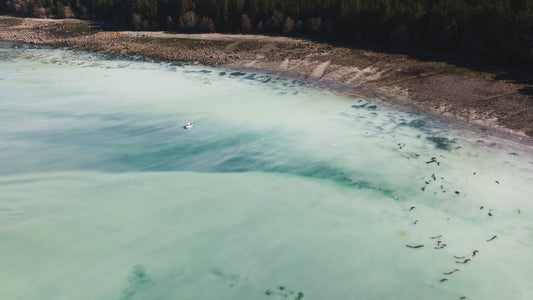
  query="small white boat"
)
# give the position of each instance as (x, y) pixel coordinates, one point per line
(188, 125)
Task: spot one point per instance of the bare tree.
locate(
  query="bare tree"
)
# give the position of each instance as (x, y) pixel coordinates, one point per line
(276, 21)
(39, 12)
(260, 27)
(19, 7)
(314, 25)
(206, 25)
(246, 24)
(67, 12)
(137, 21)
(170, 22)
(298, 27)
(188, 21)
(288, 25)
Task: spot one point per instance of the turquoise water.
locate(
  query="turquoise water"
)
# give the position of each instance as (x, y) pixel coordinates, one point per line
(279, 191)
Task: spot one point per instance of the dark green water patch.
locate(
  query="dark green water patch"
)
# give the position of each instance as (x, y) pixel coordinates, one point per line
(442, 143)
(428, 127)
(226, 278)
(137, 283)
(121, 143)
(284, 292)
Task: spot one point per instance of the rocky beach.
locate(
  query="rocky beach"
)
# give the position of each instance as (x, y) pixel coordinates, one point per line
(313, 171)
(488, 99)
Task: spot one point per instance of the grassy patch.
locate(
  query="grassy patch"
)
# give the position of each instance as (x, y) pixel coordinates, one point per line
(250, 46)
(8, 22)
(485, 74)
(463, 70)
(196, 43)
(69, 29)
(187, 42)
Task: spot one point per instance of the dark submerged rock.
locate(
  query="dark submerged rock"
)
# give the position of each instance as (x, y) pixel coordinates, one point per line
(441, 142)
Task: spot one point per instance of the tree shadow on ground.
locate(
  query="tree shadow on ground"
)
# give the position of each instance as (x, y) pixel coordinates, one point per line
(527, 91)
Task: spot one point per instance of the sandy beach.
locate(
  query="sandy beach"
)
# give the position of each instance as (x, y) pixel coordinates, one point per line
(487, 99)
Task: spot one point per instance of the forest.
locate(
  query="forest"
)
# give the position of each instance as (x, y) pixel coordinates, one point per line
(496, 31)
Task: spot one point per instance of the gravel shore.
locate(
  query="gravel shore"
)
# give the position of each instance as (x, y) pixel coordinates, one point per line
(495, 102)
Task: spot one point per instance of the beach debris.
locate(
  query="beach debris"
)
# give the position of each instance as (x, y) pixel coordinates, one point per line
(441, 246)
(492, 238)
(443, 279)
(433, 160)
(490, 214)
(423, 188)
(463, 262)
(474, 173)
(237, 73)
(481, 207)
(411, 208)
(518, 210)
(457, 192)
(433, 176)
(416, 246)
(497, 182)
(189, 125)
(416, 221)
(451, 272)
(462, 298)
(474, 253)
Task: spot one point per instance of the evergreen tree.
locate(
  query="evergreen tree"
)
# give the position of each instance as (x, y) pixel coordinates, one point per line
(493, 30)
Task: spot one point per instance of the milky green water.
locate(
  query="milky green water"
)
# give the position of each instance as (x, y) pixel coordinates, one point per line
(279, 191)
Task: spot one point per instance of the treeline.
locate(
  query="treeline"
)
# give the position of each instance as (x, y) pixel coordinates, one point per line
(499, 31)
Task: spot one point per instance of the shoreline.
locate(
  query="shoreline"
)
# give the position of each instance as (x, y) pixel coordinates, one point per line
(499, 132)
(478, 101)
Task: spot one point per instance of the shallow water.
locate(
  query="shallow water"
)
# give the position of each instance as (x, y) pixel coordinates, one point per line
(279, 191)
